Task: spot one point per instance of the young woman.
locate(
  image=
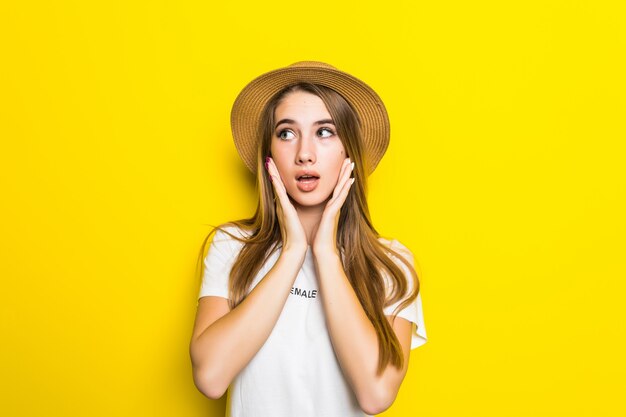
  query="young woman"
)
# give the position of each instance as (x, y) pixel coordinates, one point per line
(304, 309)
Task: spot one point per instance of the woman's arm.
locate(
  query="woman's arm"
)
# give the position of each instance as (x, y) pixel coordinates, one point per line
(225, 340)
(354, 338)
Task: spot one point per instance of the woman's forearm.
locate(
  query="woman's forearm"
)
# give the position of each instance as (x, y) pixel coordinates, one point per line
(354, 338)
(223, 347)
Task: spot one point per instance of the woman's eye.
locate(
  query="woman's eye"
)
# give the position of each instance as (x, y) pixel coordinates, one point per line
(285, 134)
(325, 132)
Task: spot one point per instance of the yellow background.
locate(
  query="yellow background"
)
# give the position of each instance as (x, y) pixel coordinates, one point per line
(505, 176)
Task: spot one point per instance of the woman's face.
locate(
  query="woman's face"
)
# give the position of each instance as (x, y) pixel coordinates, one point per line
(305, 143)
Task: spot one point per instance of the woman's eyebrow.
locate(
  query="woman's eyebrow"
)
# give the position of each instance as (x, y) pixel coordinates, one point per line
(284, 121)
(291, 121)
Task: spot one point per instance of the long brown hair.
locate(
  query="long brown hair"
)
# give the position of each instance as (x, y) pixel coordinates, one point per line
(366, 260)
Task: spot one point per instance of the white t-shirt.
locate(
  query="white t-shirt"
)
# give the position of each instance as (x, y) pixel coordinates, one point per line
(296, 372)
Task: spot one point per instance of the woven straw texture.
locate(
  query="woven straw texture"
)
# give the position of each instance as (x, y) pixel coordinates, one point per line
(248, 107)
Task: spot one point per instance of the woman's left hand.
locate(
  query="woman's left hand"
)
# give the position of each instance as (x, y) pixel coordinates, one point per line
(325, 240)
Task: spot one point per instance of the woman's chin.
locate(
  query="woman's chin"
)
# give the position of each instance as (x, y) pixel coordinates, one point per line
(309, 200)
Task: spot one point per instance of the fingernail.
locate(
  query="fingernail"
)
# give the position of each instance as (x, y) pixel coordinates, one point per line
(352, 166)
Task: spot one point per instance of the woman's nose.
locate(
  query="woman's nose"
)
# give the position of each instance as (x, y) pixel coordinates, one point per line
(306, 151)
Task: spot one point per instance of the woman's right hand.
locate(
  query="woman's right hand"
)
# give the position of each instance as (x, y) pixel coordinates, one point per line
(292, 232)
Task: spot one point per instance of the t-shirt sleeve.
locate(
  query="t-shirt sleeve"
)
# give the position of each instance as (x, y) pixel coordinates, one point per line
(413, 312)
(217, 264)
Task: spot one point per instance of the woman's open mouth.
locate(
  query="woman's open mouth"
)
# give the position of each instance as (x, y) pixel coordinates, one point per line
(307, 182)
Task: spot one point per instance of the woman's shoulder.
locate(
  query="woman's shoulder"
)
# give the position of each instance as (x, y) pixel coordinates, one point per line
(227, 229)
(396, 246)
(227, 235)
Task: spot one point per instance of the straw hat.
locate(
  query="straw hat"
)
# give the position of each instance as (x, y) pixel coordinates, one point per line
(249, 105)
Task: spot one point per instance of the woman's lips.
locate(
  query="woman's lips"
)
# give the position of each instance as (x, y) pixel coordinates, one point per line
(307, 184)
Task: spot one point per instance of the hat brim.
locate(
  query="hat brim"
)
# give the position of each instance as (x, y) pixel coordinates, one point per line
(248, 108)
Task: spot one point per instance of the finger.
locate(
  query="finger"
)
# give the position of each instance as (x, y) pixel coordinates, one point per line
(346, 169)
(341, 179)
(344, 177)
(343, 194)
(279, 188)
(277, 182)
(343, 186)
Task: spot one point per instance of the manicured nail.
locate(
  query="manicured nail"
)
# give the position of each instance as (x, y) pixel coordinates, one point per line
(352, 167)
